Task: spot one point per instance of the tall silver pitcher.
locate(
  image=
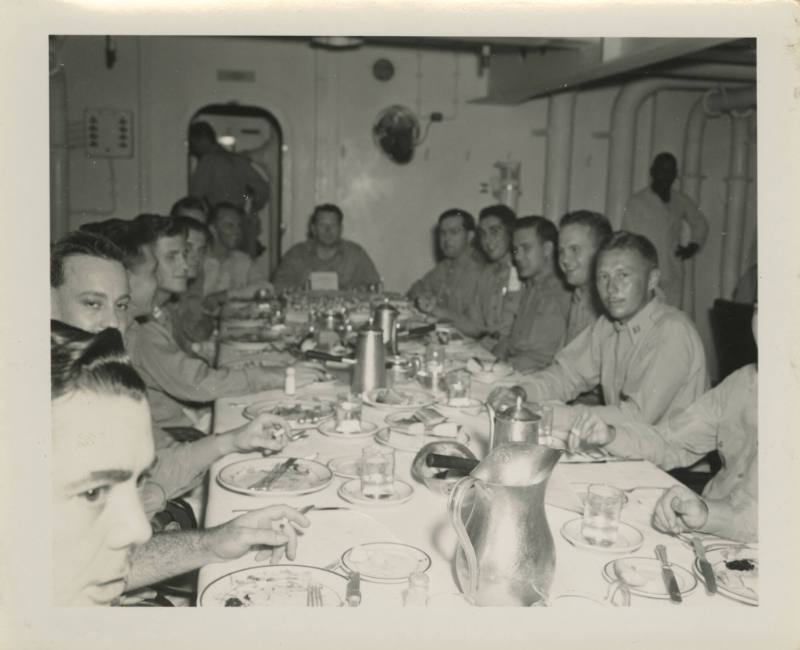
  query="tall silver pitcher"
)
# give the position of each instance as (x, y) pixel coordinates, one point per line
(506, 554)
(370, 368)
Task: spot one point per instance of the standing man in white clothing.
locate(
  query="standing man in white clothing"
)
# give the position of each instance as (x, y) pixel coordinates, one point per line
(658, 212)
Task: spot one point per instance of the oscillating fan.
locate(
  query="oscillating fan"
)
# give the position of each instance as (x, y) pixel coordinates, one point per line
(396, 131)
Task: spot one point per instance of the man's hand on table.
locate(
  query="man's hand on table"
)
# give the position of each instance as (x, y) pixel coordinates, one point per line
(427, 304)
(505, 396)
(307, 373)
(267, 431)
(680, 510)
(586, 431)
(272, 526)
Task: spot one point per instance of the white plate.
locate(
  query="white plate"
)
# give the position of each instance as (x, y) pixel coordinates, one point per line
(325, 409)
(500, 372)
(470, 405)
(628, 538)
(416, 398)
(409, 442)
(739, 585)
(649, 568)
(398, 421)
(329, 429)
(351, 491)
(386, 562)
(303, 477)
(278, 585)
(346, 466)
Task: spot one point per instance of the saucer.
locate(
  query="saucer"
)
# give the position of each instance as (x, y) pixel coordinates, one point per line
(328, 428)
(351, 491)
(628, 538)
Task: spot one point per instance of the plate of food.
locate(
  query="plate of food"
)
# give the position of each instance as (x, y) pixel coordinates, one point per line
(736, 569)
(301, 414)
(391, 398)
(411, 442)
(276, 585)
(418, 422)
(488, 372)
(386, 562)
(346, 466)
(643, 576)
(271, 477)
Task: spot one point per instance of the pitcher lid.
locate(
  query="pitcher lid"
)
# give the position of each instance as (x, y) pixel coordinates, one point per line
(519, 412)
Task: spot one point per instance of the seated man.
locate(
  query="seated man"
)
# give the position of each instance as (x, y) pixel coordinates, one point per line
(541, 320)
(580, 235)
(491, 314)
(102, 448)
(449, 288)
(92, 290)
(646, 356)
(226, 268)
(190, 206)
(326, 251)
(725, 419)
(175, 379)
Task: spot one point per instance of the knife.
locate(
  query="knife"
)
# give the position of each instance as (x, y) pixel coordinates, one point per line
(667, 574)
(354, 589)
(705, 566)
(273, 475)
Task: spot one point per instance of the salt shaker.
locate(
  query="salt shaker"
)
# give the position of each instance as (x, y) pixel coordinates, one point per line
(417, 593)
(289, 384)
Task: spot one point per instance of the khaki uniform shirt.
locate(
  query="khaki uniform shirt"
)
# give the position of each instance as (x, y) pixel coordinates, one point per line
(351, 263)
(236, 271)
(646, 214)
(539, 326)
(453, 282)
(648, 369)
(725, 419)
(583, 311)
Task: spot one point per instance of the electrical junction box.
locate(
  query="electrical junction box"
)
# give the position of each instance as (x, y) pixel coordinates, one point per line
(109, 133)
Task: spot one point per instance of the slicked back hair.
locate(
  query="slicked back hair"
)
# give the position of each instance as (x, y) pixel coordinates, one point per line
(327, 207)
(597, 224)
(506, 215)
(622, 240)
(545, 229)
(467, 220)
(76, 243)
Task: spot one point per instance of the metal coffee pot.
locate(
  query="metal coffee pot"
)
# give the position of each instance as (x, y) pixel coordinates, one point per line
(506, 554)
(385, 318)
(370, 368)
(514, 424)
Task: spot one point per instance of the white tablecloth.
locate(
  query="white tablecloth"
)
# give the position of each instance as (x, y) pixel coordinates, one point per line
(423, 521)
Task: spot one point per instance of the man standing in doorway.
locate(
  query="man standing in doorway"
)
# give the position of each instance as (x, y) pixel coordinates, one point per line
(658, 212)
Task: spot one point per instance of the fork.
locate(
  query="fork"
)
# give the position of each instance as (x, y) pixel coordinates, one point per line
(314, 595)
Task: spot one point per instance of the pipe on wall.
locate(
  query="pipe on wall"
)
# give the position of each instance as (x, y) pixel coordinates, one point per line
(723, 100)
(623, 136)
(59, 149)
(733, 227)
(558, 161)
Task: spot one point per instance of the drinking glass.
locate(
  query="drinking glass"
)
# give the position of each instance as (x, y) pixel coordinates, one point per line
(348, 412)
(601, 514)
(443, 333)
(434, 358)
(377, 472)
(545, 413)
(458, 387)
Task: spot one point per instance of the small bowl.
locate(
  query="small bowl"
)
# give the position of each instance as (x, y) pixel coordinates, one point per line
(421, 473)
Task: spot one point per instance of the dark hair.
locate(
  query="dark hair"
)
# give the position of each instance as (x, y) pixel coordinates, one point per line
(506, 215)
(152, 227)
(545, 229)
(97, 363)
(202, 130)
(190, 224)
(467, 220)
(188, 203)
(80, 242)
(622, 240)
(597, 223)
(219, 207)
(665, 156)
(327, 207)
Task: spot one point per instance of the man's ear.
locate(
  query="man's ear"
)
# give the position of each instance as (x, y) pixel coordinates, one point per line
(653, 279)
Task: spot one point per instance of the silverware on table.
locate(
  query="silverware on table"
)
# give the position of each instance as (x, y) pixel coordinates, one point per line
(303, 510)
(668, 575)
(314, 595)
(705, 566)
(354, 589)
(273, 475)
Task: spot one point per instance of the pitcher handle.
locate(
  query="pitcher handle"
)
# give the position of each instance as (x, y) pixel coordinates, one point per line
(490, 410)
(454, 507)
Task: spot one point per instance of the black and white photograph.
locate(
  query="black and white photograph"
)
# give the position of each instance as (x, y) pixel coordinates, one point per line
(436, 319)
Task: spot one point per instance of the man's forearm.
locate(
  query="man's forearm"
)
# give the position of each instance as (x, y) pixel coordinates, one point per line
(167, 555)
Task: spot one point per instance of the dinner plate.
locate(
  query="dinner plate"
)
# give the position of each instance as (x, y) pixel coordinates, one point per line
(735, 583)
(276, 585)
(303, 477)
(346, 466)
(649, 570)
(386, 562)
(300, 413)
(410, 442)
(628, 539)
(351, 491)
(470, 403)
(329, 429)
(404, 421)
(412, 399)
(501, 371)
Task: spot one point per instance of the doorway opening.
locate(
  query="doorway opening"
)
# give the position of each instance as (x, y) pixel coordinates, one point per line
(256, 134)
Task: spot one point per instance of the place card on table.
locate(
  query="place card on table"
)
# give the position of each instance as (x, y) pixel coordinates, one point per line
(324, 281)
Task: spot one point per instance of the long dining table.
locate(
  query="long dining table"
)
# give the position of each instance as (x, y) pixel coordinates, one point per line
(423, 520)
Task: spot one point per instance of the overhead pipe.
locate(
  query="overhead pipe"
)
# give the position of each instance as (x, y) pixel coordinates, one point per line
(733, 227)
(59, 148)
(723, 100)
(623, 136)
(714, 71)
(558, 158)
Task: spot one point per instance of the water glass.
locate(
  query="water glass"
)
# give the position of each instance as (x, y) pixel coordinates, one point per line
(601, 514)
(434, 358)
(444, 333)
(377, 472)
(348, 413)
(458, 387)
(545, 413)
